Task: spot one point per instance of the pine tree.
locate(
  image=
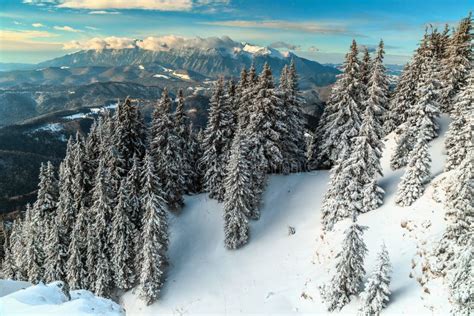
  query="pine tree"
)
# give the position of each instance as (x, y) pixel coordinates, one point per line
(34, 252)
(55, 253)
(195, 152)
(76, 275)
(461, 283)
(129, 135)
(458, 63)
(376, 294)
(217, 142)
(133, 184)
(378, 88)
(8, 263)
(46, 200)
(423, 115)
(154, 238)
(365, 74)
(267, 121)
(238, 196)
(411, 186)
(459, 137)
(121, 239)
(459, 213)
(167, 153)
(294, 143)
(18, 241)
(343, 121)
(98, 263)
(350, 271)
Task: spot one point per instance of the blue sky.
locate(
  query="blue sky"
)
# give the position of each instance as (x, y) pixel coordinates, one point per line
(36, 30)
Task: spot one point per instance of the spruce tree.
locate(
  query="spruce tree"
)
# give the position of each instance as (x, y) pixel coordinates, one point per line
(267, 121)
(217, 142)
(55, 254)
(121, 239)
(294, 143)
(19, 244)
(378, 88)
(411, 186)
(457, 64)
(130, 134)
(365, 73)
(154, 237)
(459, 137)
(133, 183)
(46, 200)
(98, 262)
(8, 263)
(167, 153)
(376, 293)
(349, 272)
(238, 196)
(461, 283)
(34, 252)
(76, 275)
(343, 121)
(401, 101)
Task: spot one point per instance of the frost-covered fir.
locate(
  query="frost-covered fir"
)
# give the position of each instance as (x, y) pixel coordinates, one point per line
(267, 121)
(55, 253)
(377, 289)
(459, 139)
(365, 71)
(121, 239)
(461, 283)
(344, 120)
(154, 235)
(238, 195)
(294, 143)
(349, 270)
(378, 89)
(411, 186)
(458, 63)
(217, 142)
(168, 154)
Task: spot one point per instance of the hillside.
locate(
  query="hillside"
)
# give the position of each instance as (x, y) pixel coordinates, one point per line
(280, 273)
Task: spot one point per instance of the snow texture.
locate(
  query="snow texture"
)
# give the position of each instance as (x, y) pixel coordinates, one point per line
(279, 273)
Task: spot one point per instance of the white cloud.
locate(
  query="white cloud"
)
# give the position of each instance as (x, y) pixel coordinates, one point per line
(92, 28)
(103, 12)
(162, 43)
(100, 6)
(161, 5)
(67, 29)
(27, 40)
(17, 23)
(97, 43)
(37, 25)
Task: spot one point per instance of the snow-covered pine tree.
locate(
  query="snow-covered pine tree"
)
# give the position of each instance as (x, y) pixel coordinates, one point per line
(461, 283)
(240, 89)
(47, 198)
(121, 240)
(377, 289)
(98, 262)
(459, 137)
(55, 253)
(19, 243)
(154, 237)
(344, 121)
(82, 184)
(349, 273)
(411, 186)
(195, 153)
(267, 123)
(459, 213)
(167, 153)
(294, 143)
(423, 114)
(134, 211)
(66, 212)
(458, 63)
(76, 275)
(365, 72)
(34, 252)
(130, 134)
(378, 88)
(238, 194)
(217, 142)
(8, 270)
(181, 122)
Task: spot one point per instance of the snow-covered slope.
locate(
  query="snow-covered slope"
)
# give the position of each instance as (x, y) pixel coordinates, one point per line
(280, 273)
(50, 300)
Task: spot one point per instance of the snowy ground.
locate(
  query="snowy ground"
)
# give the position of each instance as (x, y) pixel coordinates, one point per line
(21, 299)
(280, 273)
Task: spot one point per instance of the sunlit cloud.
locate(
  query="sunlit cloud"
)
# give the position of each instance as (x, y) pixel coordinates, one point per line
(97, 43)
(37, 25)
(67, 29)
(103, 12)
(281, 44)
(27, 40)
(161, 5)
(92, 28)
